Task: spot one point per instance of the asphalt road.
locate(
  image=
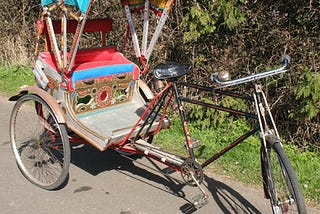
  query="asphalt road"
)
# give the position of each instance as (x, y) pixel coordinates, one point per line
(105, 182)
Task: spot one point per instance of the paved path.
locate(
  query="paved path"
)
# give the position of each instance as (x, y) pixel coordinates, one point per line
(104, 182)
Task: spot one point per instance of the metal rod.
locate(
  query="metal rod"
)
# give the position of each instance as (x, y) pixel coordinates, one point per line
(153, 111)
(53, 41)
(188, 142)
(168, 86)
(145, 27)
(270, 114)
(154, 170)
(221, 108)
(76, 40)
(214, 90)
(133, 31)
(159, 27)
(64, 39)
(229, 147)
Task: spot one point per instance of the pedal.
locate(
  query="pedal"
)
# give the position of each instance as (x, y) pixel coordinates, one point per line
(195, 143)
(200, 200)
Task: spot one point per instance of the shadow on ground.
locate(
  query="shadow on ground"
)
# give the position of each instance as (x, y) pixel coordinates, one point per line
(95, 162)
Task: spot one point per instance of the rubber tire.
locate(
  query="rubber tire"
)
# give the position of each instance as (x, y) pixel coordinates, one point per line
(291, 180)
(60, 179)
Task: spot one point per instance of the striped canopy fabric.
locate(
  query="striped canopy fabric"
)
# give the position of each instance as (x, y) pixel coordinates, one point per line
(83, 5)
(156, 5)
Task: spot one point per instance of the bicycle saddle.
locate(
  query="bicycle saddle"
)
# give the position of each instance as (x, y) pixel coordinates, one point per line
(169, 70)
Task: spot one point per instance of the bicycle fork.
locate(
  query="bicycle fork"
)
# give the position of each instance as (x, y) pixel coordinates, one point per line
(264, 115)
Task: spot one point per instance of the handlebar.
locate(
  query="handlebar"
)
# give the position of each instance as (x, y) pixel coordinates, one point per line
(223, 78)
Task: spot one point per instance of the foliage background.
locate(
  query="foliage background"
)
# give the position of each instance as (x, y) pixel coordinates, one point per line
(240, 36)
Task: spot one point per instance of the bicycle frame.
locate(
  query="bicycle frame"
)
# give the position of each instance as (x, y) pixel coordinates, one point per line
(171, 91)
(189, 166)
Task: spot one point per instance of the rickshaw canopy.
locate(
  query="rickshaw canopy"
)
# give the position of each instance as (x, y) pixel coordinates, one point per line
(83, 5)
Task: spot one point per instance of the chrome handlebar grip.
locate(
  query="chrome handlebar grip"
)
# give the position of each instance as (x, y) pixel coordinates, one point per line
(224, 82)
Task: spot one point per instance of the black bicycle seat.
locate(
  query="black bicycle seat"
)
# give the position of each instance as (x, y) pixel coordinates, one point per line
(170, 70)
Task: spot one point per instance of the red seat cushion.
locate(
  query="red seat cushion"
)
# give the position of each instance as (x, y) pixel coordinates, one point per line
(95, 63)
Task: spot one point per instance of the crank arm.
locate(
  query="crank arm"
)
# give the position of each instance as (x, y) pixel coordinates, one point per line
(201, 199)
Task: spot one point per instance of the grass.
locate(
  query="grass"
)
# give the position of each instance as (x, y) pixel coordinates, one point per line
(13, 77)
(243, 162)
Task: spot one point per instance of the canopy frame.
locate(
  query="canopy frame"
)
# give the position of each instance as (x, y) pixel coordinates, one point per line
(145, 52)
(63, 59)
(66, 60)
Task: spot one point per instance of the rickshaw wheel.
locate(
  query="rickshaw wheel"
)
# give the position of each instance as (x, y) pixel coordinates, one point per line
(39, 143)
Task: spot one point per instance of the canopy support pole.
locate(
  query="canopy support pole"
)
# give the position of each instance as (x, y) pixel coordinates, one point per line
(53, 41)
(64, 38)
(133, 32)
(76, 40)
(158, 29)
(145, 28)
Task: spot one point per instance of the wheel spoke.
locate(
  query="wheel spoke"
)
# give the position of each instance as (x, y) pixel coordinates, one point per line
(40, 144)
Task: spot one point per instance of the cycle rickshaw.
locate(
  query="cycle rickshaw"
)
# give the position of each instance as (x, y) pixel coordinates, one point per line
(96, 96)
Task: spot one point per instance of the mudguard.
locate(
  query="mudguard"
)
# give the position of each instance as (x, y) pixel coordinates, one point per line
(146, 90)
(53, 104)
